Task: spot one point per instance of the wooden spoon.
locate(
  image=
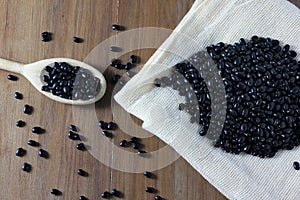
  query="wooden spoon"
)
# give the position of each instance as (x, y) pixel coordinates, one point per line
(34, 70)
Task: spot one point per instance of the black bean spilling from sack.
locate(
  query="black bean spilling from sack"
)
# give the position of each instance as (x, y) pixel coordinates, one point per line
(188, 81)
(70, 82)
(262, 85)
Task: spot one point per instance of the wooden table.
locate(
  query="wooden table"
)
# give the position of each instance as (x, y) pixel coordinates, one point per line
(22, 23)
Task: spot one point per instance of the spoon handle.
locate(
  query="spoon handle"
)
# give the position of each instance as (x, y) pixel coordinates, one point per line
(11, 66)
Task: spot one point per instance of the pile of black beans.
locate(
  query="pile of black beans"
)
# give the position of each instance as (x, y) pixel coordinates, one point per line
(262, 85)
(70, 82)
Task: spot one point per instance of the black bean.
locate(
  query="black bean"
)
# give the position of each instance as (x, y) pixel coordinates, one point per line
(136, 145)
(150, 190)
(26, 167)
(134, 139)
(114, 61)
(119, 66)
(111, 126)
(116, 27)
(128, 66)
(12, 77)
(43, 153)
(37, 130)
(296, 165)
(20, 123)
(106, 195)
(115, 49)
(56, 192)
(133, 59)
(148, 174)
(80, 147)
(157, 82)
(77, 39)
(115, 193)
(27, 109)
(81, 172)
(158, 197)
(46, 36)
(73, 136)
(103, 124)
(33, 143)
(181, 106)
(130, 74)
(20, 152)
(83, 198)
(107, 134)
(18, 95)
(141, 152)
(115, 78)
(124, 143)
(73, 128)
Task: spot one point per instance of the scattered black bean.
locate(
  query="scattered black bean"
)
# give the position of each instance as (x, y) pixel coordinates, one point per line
(37, 130)
(56, 192)
(20, 152)
(46, 36)
(107, 134)
(115, 78)
(26, 167)
(158, 197)
(70, 82)
(81, 172)
(77, 39)
(73, 128)
(115, 193)
(12, 77)
(106, 195)
(20, 123)
(150, 190)
(43, 153)
(80, 147)
(116, 27)
(18, 95)
(115, 49)
(111, 126)
(83, 198)
(73, 136)
(27, 109)
(33, 143)
(148, 174)
(103, 124)
(124, 143)
(133, 59)
(296, 165)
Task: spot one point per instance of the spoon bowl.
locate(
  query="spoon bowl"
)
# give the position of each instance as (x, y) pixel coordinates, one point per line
(33, 73)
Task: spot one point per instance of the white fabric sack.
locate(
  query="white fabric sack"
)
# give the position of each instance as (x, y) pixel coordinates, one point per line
(208, 22)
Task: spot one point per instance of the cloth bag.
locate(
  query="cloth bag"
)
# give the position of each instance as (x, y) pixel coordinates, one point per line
(208, 22)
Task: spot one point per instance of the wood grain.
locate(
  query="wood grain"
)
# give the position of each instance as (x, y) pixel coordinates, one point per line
(21, 23)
